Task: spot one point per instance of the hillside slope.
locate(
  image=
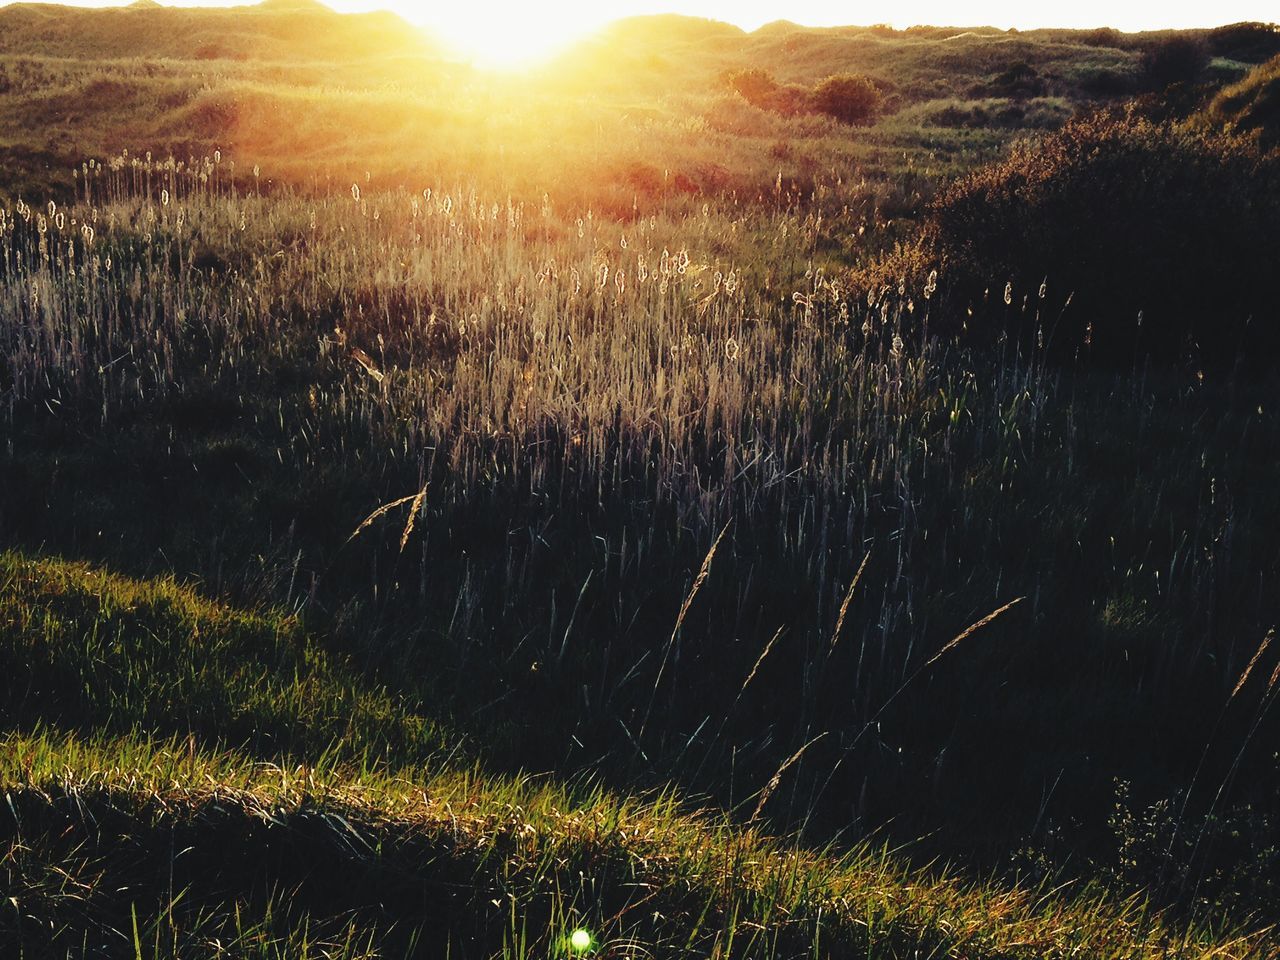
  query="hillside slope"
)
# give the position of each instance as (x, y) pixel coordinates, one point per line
(149, 829)
(1251, 106)
(261, 32)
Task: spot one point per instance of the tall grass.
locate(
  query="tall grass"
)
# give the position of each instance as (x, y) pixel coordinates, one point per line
(589, 405)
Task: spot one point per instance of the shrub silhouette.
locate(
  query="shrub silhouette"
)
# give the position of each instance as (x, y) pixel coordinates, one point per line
(760, 89)
(1105, 37)
(1176, 59)
(754, 85)
(1103, 82)
(1019, 80)
(1250, 42)
(849, 97)
(1124, 216)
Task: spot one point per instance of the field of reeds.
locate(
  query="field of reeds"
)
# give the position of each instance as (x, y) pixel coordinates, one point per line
(419, 563)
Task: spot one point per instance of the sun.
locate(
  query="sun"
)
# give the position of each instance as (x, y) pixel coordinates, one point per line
(499, 37)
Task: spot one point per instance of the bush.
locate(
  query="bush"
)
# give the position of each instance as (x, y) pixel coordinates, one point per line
(1019, 80)
(1123, 215)
(1228, 861)
(760, 89)
(987, 114)
(849, 97)
(754, 85)
(1102, 82)
(1176, 59)
(1249, 42)
(1105, 37)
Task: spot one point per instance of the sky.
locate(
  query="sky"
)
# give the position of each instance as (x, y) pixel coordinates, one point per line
(900, 13)
(498, 28)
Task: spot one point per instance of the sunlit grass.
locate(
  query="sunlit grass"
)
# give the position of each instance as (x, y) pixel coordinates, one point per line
(573, 408)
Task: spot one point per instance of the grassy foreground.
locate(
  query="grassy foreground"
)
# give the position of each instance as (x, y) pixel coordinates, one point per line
(639, 503)
(213, 841)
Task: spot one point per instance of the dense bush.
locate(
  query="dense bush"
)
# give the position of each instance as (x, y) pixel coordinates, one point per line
(1175, 59)
(1250, 42)
(849, 97)
(1228, 860)
(754, 85)
(1019, 80)
(1105, 37)
(760, 89)
(1103, 82)
(1160, 236)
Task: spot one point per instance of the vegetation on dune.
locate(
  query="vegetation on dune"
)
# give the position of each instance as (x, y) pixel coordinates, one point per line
(604, 473)
(516, 365)
(1160, 236)
(355, 851)
(1176, 59)
(265, 32)
(274, 87)
(847, 97)
(1250, 107)
(81, 650)
(320, 862)
(1250, 42)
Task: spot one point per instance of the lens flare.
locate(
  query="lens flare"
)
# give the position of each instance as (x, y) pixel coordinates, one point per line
(510, 36)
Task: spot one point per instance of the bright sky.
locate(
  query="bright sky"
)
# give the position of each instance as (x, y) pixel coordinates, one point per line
(498, 31)
(900, 13)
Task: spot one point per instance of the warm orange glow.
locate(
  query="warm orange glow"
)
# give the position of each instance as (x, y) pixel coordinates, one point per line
(509, 39)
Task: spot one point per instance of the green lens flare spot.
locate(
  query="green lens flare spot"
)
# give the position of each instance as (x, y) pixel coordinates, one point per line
(580, 941)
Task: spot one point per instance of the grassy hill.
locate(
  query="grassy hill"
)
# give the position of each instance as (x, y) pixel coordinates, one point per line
(270, 31)
(445, 511)
(306, 92)
(1251, 106)
(141, 820)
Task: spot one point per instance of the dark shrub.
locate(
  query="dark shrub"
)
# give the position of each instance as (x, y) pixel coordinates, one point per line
(1249, 42)
(849, 97)
(760, 89)
(790, 100)
(754, 85)
(1019, 80)
(644, 178)
(1123, 215)
(954, 115)
(1011, 116)
(1176, 59)
(1105, 37)
(1108, 83)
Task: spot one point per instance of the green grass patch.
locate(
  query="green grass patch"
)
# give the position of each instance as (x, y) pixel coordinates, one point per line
(85, 650)
(192, 849)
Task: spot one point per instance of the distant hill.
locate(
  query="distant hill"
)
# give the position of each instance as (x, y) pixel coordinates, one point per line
(669, 27)
(918, 64)
(301, 89)
(274, 30)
